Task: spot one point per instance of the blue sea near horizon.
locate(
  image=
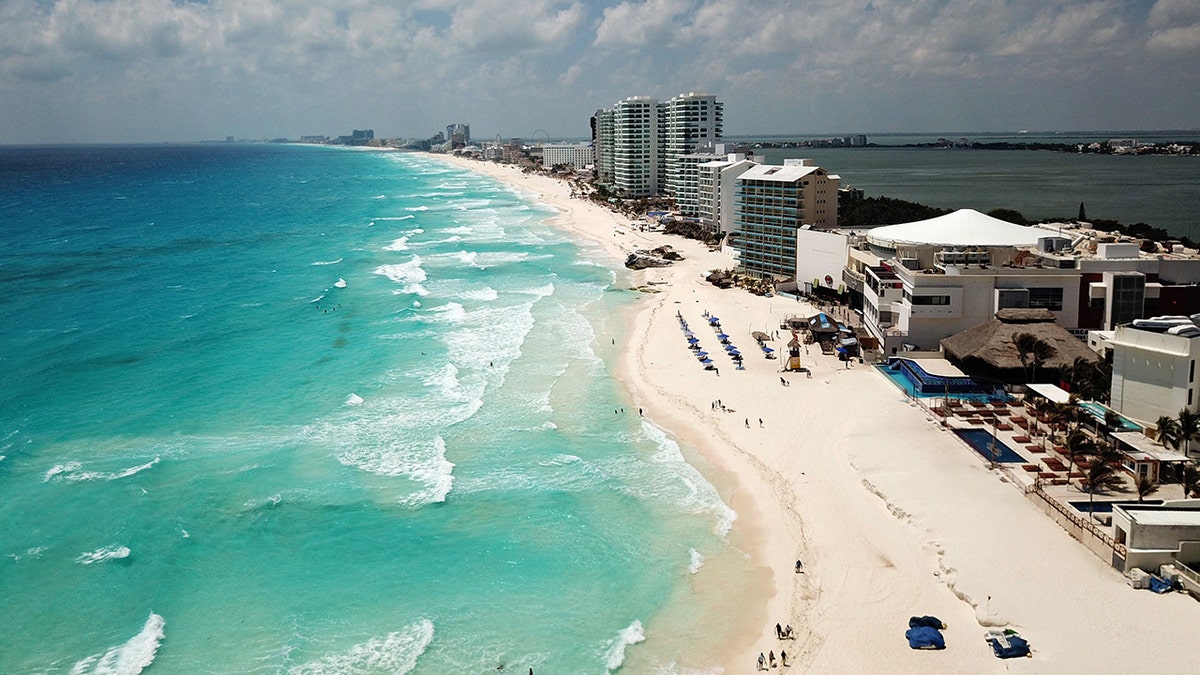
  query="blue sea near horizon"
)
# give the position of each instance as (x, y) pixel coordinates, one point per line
(292, 409)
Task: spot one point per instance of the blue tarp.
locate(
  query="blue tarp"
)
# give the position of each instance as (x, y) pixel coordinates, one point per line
(927, 621)
(925, 637)
(1159, 585)
(1009, 646)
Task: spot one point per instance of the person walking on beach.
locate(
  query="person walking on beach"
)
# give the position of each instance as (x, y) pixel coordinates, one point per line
(762, 662)
(747, 422)
(760, 424)
(783, 657)
(771, 656)
(778, 631)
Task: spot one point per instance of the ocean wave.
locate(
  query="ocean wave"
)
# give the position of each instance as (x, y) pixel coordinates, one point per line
(354, 399)
(409, 275)
(451, 312)
(423, 463)
(400, 244)
(130, 658)
(695, 560)
(630, 635)
(417, 208)
(102, 554)
(408, 217)
(326, 262)
(485, 294)
(31, 552)
(340, 283)
(73, 471)
(393, 653)
(697, 495)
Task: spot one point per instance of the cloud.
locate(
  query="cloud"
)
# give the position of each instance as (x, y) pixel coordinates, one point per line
(174, 67)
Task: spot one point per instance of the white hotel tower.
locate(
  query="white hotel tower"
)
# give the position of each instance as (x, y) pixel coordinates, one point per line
(641, 143)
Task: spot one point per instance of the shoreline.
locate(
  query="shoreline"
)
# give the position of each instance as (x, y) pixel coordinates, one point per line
(892, 515)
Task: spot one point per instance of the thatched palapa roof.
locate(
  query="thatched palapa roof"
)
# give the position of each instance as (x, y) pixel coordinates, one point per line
(992, 347)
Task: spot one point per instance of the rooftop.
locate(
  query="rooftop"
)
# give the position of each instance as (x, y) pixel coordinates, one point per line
(965, 227)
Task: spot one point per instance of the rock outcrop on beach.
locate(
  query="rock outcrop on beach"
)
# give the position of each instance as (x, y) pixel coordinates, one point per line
(662, 256)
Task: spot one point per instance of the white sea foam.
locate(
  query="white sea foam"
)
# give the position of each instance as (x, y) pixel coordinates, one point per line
(408, 217)
(130, 658)
(451, 312)
(340, 283)
(73, 471)
(102, 554)
(423, 463)
(630, 635)
(327, 262)
(393, 653)
(409, 275)
(417, 208)
(354, 399)
(31, 552)
(485, 294)
(696, 560)
(400, 244)
(697, 494)
(549, 425)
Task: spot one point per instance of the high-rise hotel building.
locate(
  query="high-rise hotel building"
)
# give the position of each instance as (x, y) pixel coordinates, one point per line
(642, 145)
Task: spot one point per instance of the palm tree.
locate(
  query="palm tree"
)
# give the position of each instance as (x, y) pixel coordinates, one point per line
(1033, 352)
(1145, 487)
(1189, 428)
(1102, 475)
(1168, 431)
(1079, 445)
(1191, 479)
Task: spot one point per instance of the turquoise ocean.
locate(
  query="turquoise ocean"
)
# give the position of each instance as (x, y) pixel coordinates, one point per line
(287, 409)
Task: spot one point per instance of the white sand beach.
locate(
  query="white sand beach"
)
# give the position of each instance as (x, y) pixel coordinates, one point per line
(892, 515)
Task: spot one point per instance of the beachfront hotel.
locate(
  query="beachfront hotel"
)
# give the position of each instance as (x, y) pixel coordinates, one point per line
(641, 143)
(771, 203)
(1154, 367)
(578, 156)
(918, 283)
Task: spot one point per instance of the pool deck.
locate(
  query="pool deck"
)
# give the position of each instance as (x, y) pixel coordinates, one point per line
(1017, 426)
(938, 367)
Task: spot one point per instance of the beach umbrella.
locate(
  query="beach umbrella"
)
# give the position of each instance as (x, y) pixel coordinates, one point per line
(705, 361)
(768, 349)
(722, 336)
(702, 354)
(693, 339)
(688, 333)
(735, 354)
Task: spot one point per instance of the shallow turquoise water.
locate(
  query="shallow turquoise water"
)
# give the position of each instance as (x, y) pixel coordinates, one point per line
(290, 409)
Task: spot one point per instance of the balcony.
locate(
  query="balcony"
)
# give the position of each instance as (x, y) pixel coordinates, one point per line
(853, 280)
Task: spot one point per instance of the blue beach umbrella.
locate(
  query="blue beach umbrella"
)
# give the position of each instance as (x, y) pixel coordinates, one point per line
(693, 339)
(702, 354)
(722, 336)
(768, 349)
(730, 348)
(706, 361)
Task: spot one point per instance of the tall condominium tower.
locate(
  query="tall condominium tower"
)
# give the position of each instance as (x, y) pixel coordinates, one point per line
(641, 142)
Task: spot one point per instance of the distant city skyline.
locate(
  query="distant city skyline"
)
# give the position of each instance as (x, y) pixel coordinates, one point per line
(155, 70)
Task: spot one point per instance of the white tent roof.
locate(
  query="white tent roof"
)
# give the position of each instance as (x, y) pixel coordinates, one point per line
(965, 227)
(1051, 392)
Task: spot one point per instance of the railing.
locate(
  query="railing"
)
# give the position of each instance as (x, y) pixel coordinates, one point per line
(1085, 524)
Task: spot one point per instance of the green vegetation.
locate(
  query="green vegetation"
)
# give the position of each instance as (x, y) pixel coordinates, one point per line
(871, 211)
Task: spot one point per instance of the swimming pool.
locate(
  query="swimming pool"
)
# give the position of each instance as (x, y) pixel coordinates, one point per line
(981, 439)
(917, 382)
(1106, 507)
(1097, 410)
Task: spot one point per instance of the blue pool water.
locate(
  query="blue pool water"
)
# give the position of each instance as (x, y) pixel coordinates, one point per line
(980, 440)
(1097, 410)
(1105, 507)
(916, 382)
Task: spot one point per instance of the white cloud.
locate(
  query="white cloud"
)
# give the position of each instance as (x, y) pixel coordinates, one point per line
(165, 67)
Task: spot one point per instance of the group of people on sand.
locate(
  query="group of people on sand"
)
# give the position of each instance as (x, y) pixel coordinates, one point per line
(767, 661)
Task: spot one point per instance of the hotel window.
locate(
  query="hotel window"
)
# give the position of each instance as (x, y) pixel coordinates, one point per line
(1046, 298)
(931, 300)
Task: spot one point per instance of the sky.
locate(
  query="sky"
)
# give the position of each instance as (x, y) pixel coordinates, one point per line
(179, 70)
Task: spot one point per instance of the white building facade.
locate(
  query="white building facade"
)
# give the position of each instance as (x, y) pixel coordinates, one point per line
(1154, 368)
(576, 155)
